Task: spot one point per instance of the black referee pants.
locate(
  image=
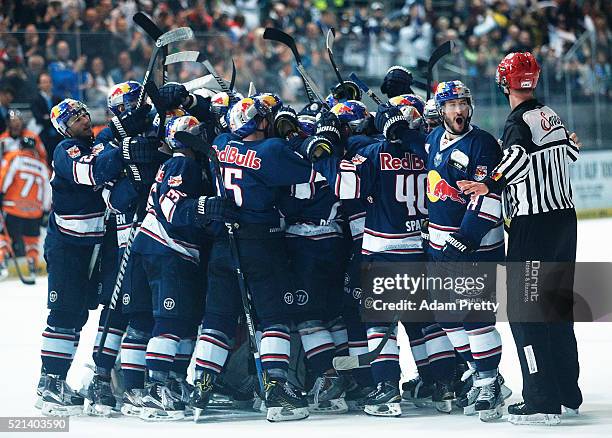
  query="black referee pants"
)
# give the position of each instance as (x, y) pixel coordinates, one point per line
(541, 318)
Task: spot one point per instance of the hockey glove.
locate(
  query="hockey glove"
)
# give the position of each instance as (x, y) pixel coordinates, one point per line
(286, 123)
(397, 81)
(425, 234)
(347, 90)
(457, 248)
(140, 149)
(389, 121)
(142, 175)
(215, 208)
(328, 126)
(130, 123)
(172, 95)
(315, 148)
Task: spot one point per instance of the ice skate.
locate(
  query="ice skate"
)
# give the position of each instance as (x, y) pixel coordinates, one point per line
(161, 404)
(202, 392)
(523, 414)
(132, 402)
(443, 396)
(284, 403)
(59, 400)
(183, 389)
(356, 395)
(418, 392)
(490, 401)
(100, 400)
(384, 401)
(327, 395)
(39, 390)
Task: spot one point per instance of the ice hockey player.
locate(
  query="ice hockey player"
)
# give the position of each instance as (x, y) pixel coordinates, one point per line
(167, 250)
(397, 81)
(11, 139)
(254, 166)
(461, 230)
(25, 196)
(76, 225)
(316, 247)
(534, 137)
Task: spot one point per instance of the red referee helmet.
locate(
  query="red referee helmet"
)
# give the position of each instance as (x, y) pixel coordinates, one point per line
(517, 71)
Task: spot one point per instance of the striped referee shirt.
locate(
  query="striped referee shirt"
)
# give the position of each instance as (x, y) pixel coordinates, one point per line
(534, 169)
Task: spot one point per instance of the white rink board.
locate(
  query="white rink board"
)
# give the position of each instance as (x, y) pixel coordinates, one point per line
(23, 313)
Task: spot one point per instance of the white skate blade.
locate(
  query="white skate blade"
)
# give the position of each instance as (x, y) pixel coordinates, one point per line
(130, 410)
(39, 402)
(335, 406)
(283, 414)
(569, 412)
(534, 419)
(423, 402)
(470, 410)
(97, 410)
(153, 414)
(384, 410)
(491, 414)
(445, 406)
(198, 414)
(505, 392)
(55, 410)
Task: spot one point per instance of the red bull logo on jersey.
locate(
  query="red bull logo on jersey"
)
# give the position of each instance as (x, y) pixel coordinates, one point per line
(438, 189)
(74, 152)
(175, 181)
(408, 162)
(231, 155)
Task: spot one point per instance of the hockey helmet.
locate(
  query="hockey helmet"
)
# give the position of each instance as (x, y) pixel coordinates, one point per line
(411, 106)
(517, 71)
(65, 113)
(123, 97)
(352, 113)
(452, 90)
(177, 124)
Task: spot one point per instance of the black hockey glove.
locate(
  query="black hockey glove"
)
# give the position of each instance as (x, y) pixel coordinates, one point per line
(140, 149)
(142, 175)
(347, 90)
(425, 234)
(286, 123)
(315, 148)
(457, 248)
(130, 123)
(398, 80)
(215, 208)
(172, 95)
(389, 121)
(328, 126)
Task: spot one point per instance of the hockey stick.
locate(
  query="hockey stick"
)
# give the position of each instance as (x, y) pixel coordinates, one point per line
(12, 256)
(329, 43)
(377, 100)
(194, 142)
(344, 363)
(172, 36)
(207, 82)
(439, 52)
(312, 91)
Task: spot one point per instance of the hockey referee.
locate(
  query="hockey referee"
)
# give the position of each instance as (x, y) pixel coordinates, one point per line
(534, 176)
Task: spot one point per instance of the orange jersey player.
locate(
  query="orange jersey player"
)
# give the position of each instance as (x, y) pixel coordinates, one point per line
(25, 196)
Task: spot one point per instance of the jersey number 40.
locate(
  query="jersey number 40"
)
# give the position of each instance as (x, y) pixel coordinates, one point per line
(412, 194)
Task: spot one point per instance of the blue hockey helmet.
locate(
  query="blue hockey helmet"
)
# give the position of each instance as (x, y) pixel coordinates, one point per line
(352, 113)
(452, 90)
(177, 124)
(123, 97)
(244, 116)
(65, 113)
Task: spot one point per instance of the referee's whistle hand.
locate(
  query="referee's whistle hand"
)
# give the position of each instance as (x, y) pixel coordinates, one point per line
(574, 137)
(473, 188)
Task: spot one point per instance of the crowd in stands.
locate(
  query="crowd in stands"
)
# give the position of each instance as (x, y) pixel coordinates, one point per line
(79, 48)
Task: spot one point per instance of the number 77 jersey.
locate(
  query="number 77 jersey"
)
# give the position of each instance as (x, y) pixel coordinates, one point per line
(24, 182)
(393, 183)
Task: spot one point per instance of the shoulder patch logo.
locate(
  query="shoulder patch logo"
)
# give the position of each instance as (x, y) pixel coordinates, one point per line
(358, 159)
(480, 173)
(175, 181)
(74, 152)
(96, 149)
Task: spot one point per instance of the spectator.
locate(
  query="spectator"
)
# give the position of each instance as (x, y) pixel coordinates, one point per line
(41, 108)
(6, 98)
(11, 139)
(67, 75)
(126, 71)
(101, 82)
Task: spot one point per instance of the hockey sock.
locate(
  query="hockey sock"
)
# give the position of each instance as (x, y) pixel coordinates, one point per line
(133, 363)
(418, 349)
(183, 357)
(117, 323)
(485, 343)
(440, 353)
(358, 344)
(58, 349)
(160, 354)
(339, 334)
(318, 345)
(459, 338)
(275, 347)
(212, 351)
(386, 366)
(31, 247)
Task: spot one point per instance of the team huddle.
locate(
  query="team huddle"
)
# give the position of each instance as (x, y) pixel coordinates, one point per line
(213, 211)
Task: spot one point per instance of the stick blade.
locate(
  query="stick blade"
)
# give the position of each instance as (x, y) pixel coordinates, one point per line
(274, 34)
(345, 363)
(329, 39)
(174, 35)
(185, 56)
(440, 51)
(146, 24)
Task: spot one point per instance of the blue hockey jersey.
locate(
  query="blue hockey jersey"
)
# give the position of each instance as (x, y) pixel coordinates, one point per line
(80, 170)
(255, 173)
(472, 156)
(168, 227)
(393, 183)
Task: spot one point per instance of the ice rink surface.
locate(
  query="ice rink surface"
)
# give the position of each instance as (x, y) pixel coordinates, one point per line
(23, 313)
